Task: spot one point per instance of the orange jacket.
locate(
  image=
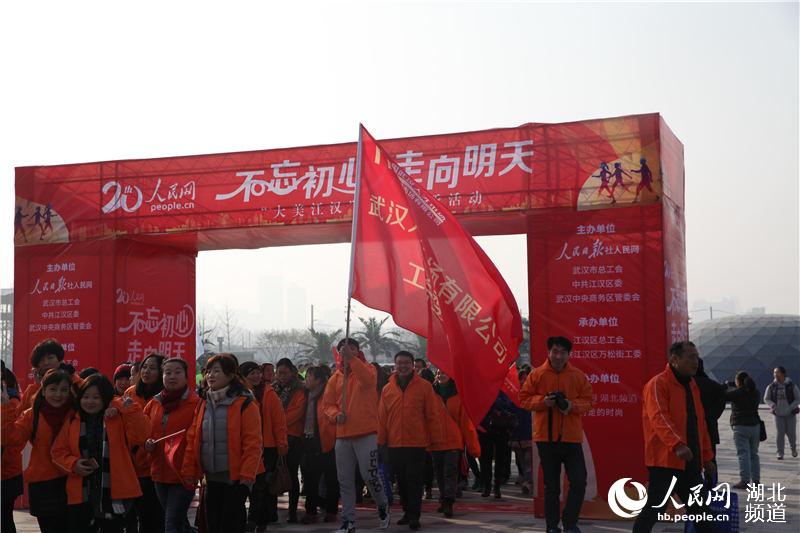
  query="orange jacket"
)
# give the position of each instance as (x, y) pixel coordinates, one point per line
(129, 428)
(296, 414)
(273, 420)
(244, 442)
(664, 421)
(327, 428)
(141, 459)
(457, 428)
(162, 425)
(11, 463)
(361, 407)
(410, 418)
(18, 431)
(575, 386)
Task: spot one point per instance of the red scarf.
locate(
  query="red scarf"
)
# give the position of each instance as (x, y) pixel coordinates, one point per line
(170, 400)
(55, 416)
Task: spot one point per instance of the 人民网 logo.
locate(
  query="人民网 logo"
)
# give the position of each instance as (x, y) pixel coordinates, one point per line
(622, 505)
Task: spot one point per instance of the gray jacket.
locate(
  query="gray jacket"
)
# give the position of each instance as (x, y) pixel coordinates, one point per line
(782, 406)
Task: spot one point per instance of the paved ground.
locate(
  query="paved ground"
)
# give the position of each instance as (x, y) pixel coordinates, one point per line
(510, 514)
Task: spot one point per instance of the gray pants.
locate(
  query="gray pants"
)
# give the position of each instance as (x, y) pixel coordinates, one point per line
(361, 452)
(786, 426)
(445, 465)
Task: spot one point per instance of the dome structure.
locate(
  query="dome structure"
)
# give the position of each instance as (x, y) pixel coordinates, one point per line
(753, 343)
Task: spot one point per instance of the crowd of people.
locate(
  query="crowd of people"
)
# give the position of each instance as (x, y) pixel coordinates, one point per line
(131, 452)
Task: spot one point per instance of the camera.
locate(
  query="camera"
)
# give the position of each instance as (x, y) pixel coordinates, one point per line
(560, 399)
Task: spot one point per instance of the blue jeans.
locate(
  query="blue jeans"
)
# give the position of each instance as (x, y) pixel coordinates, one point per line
(175, 500)
(746, 439)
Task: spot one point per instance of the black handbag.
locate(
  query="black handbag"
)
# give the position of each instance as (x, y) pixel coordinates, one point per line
(762, 430)
(279, 481)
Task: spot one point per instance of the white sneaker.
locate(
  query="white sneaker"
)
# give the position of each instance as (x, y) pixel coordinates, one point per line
(384, 516)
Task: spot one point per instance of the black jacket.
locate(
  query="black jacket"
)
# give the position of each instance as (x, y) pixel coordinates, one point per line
(712, 395)
(744, 406)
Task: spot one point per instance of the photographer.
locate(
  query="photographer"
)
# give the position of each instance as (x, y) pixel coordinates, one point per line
(559, 394)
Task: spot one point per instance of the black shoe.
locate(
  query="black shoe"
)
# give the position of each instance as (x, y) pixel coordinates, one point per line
(476, 485)
(448, 509)
(292, 518)
(573, 529)
(440, 509)
(486, 492)
(403, 520)
(497, 494)
(414, 525)
(428, 494)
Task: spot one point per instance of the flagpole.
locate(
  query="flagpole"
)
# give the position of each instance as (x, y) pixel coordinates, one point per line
(353, 234)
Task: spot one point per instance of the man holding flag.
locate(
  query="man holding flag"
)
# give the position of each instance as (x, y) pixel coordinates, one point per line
(350, 401)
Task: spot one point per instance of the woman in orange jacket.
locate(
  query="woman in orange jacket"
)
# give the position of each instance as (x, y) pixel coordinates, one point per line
(40, 425)
(93, 449)
(11, 463)
(171, 412)
(148, 383)
(458, 432)
(319, 438)
(223, 444)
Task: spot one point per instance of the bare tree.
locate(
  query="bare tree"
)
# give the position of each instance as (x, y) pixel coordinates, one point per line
(281, 343)
(228, 323)
(206, 330)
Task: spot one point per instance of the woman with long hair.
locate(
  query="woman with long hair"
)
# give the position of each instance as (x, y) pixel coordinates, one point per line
(40, 424)
(319, 438)
(171, 412)
(11, 463)
(147, 383)
(746, 426)
(223, 445)
(93, 448)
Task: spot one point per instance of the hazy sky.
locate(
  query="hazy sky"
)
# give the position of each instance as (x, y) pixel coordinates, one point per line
(95, 81)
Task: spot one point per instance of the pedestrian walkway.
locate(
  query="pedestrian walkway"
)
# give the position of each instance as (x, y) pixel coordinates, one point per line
(514, 512)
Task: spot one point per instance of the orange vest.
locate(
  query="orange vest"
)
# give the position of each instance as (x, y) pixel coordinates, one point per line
(664, 421)
(410, 418)
(129, 428)
(162, 425)
(361, 409)
(244, 442)
(17, 432)
(273, 419)
(457, 428)
(575, 386)
(11, 463)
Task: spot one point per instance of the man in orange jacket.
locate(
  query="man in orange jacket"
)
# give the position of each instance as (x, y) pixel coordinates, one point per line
(408, 423)
(349, 402)
(559, 394)
(677, 446)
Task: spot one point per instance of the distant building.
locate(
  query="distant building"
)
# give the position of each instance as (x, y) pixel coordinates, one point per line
(755, 343)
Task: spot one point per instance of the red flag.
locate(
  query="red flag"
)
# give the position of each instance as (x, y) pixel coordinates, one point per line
(337, 357)
(511, 385)
(411, 258)
(173, 451)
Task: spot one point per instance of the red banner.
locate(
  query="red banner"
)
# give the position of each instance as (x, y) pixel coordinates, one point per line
(597, 279)
(414, 260)
(107, 302)
(485, 177)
